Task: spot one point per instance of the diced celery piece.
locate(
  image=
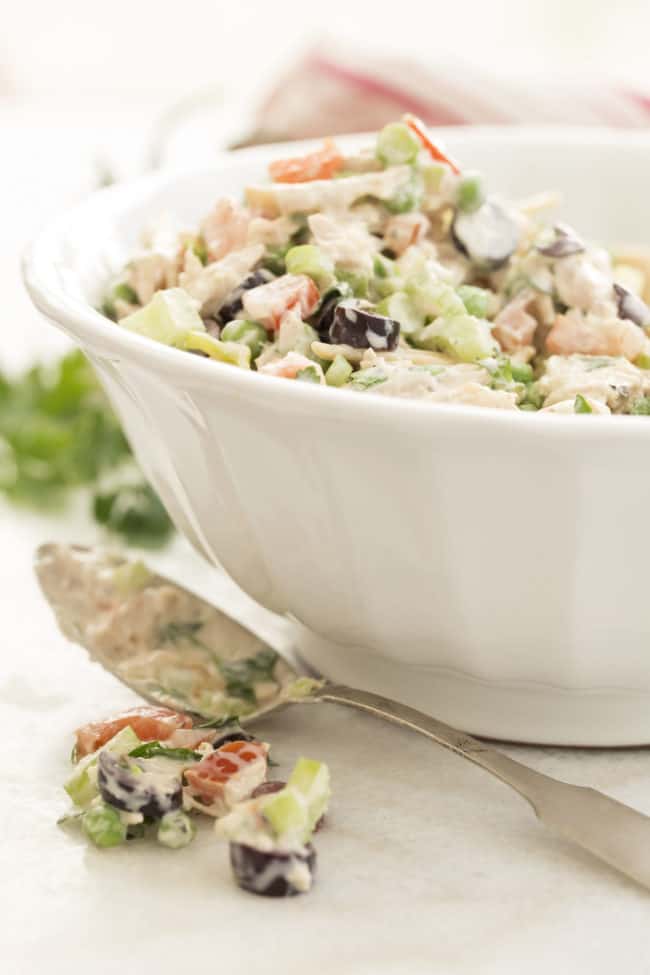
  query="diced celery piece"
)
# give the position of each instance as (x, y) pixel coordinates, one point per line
(103, 825)
(581, 405)
(400, 308)
(470, 193)
(82, 785)
(247, 333)
(131, 577)
(312, 780)
(463, 337)
(288, 814)
(339, 372)
(311, 260)
(168, 318)
(397, 144)
(176, 829)
(434, 298)
(476, 300)
(432, 174)
(233, 353)
(294, 335)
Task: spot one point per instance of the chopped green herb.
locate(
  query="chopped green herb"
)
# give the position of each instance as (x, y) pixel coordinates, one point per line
(136, 512)
(154, 749)
(57, 431)
(180, 630)
(240, 675)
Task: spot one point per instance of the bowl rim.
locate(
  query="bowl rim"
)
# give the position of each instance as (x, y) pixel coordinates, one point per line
(86, 324)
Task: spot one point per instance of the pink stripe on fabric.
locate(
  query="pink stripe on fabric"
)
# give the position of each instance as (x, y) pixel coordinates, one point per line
(431, 112)
(639, 99)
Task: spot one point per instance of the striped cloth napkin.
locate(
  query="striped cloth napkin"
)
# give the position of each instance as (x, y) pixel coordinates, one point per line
(325, 94)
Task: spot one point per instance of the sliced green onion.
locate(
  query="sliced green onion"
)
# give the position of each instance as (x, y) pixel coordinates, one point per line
(397, 144)
(247, 333)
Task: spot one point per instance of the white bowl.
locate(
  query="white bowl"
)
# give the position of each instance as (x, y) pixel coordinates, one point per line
(486, 566)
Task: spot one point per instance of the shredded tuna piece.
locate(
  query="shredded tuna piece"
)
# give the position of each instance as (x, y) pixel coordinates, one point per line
(225, 229)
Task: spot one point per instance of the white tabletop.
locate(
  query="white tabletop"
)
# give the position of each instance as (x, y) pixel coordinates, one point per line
(427, 865)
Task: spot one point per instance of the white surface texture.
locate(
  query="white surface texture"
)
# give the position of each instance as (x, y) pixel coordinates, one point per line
(461, 545)
(427, 866)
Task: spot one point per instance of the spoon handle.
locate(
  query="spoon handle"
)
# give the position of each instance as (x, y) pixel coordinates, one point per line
(613, 832)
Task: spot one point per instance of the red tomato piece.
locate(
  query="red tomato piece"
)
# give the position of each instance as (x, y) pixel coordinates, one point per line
(211, 777)
(149, 724)
(415, 125)
(321, 164)
(267, 303)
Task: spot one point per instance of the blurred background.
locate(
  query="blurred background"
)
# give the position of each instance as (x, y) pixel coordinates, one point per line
(93, 92)
(84, 85)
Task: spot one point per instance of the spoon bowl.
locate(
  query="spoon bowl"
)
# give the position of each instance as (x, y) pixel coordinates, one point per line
(176, 650)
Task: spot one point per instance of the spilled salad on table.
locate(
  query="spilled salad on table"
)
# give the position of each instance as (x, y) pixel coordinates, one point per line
(152, 770)
(396, 272)
(148, 771)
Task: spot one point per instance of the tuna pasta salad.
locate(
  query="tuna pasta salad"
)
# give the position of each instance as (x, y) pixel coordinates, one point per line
(393, 271)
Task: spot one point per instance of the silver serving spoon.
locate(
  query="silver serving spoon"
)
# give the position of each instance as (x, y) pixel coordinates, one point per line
(149, 632)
